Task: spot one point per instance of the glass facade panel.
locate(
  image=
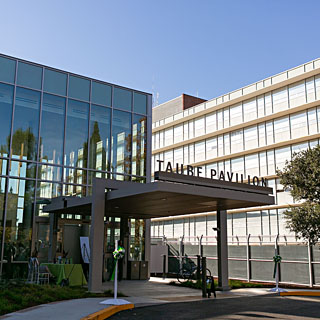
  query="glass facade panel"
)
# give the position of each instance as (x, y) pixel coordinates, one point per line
(268, 104)
(226, 117)
(263, 164)
(76, 134)
(52, 129)
(178, 133)
(282, 154)
(269, 132)
(139, 103)
(50, 173)
(220, 146)
(236, 141)
(122, 99)
(260, 103)
(55, 82)
(101, 94)
(29, 76)
(121, 142)
(139, 145)
(178, 156)
(2, 207)
(252, 165)
(168, 136)
(200, 151)
(220, 119)
(79, 88)
(99, 152)
(6, 100)
(317, 86)
(310, 89)
(226, 138)
(74, 175)
(211, 122)
(312, 121)
(19, 221)
(237, 165)
(254, 223)
(270, 162)
(199, 128)
(22, 169)
(262, 134)
(7, 70)
(26, 123)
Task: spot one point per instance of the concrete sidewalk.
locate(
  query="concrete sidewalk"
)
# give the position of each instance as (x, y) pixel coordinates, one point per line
(139, 292)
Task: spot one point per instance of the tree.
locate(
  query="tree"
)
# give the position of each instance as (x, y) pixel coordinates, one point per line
(301, 176)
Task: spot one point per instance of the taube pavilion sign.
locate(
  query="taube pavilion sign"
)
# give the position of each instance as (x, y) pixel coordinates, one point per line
(214, 174)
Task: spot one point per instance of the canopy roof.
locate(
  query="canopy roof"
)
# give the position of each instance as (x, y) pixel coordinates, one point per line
(171, 194)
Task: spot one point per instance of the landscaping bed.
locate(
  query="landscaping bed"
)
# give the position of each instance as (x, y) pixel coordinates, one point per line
(16, 296)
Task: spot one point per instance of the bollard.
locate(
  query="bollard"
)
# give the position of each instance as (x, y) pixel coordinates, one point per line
(164, 266)
(204, 277)
(198, 267)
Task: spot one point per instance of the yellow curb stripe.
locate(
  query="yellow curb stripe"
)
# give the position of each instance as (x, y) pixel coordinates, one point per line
(301, 293)
(108, 312)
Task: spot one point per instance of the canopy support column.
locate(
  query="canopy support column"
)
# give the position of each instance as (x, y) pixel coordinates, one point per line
(223, 273)
(97, 235)
(53, 222)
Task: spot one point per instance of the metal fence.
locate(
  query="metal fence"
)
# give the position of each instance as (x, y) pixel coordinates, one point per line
(251, 257)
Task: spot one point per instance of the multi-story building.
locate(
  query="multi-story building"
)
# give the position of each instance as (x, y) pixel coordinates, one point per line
(58, 130)
(252, 131)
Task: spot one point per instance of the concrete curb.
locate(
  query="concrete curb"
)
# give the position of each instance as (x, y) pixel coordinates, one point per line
(301, 293)
(108, 312)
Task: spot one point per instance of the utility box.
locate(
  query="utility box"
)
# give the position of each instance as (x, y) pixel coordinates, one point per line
(134, 270)
(143, 270)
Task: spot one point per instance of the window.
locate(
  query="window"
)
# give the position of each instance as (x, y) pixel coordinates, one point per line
(280, 99)
(252, 165)
(251, 137)
(211, 122)
(281, 129)
(299, 125)
(168, 136)
(178, 133)
(281, 155)
(199, 128)
(269, 130)
(237, 141)
(7, 70)
(101, 93)
(6, 99)
(260, 102)
(139, 103)
(139, 145)
(220, 119)
(185, 131)
(262, 134)
(29, 76)
(191, 129)
(211, 148)
(200, 151)
(312, 121)
(52, 129)
(178, 156)
(122, 99)
(26, 124)
(76, 134)
(226, 117)
(297, 94)
(270, 162)
(99, 152)
(220, 146)
(268, 104)
(310, 89)
(55, 82)
(263, 164)
(237, 165)
(236, 116)
(254, 223)
(250, 109)
(79, 88)
(317, 86)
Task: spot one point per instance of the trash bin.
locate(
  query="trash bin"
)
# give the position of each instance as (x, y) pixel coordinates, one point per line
(134, 270)
(143, 270)
(210, 286)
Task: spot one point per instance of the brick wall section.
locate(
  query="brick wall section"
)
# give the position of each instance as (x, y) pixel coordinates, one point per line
(190, 101)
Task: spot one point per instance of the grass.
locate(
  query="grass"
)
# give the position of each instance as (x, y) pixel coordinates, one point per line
(233, 284)
(18, 296)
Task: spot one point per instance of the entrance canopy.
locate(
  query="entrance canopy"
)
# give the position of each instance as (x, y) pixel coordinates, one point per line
(171, 194)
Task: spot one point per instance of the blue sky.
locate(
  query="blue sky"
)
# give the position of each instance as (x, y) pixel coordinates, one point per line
(167, 47)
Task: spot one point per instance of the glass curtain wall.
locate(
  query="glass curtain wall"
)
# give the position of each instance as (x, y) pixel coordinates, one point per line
(58, 131)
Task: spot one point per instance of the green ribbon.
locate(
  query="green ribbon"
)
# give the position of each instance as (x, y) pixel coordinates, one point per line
(117, 255)
(277, 259)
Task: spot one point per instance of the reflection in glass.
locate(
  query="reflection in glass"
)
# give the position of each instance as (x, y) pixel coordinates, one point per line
(3, 166)
(140, 103)
(25, 126)
(139, 145)
(29, 75)
(122, 99)
(76, 134)
(7, 70)
(73, 190)
(121, 142)
(72, 175)
(50, 173)
(46, 190)
(137, 240)
(52, 128)
(6, 99)
(101, 94)
(2, 202)
(99, 138)
(55, 82)
(22, 169)
(18, 232)
(79, 88)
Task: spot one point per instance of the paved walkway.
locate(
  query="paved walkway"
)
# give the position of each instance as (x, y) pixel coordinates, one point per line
(139, 292)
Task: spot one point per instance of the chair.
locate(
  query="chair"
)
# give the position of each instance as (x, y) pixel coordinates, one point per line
(43, 275)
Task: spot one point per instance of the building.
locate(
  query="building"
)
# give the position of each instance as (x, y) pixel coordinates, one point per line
(247, 133)
(58, 131)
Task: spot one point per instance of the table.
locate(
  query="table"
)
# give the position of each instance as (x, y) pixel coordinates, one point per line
(63, 271)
